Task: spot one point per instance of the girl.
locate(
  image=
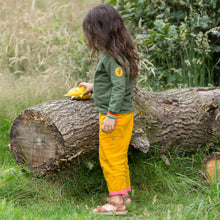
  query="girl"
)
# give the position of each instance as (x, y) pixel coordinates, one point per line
(113, 83)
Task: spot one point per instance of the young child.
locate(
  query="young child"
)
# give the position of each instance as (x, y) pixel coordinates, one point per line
(113, 83)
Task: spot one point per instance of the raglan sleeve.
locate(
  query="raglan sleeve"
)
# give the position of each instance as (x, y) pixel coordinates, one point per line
(118, 80)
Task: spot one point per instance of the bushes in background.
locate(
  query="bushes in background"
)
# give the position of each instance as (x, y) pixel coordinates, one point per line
(178, 41)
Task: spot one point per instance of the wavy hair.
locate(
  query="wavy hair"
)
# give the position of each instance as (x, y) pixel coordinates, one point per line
(105, 30)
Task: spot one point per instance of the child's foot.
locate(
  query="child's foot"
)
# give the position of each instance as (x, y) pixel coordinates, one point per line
(126, 199)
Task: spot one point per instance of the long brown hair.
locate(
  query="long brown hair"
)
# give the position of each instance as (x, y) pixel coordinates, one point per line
(105, 30)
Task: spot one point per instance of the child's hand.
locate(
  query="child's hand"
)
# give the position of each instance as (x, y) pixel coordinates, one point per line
(89, 87)
(108, 125)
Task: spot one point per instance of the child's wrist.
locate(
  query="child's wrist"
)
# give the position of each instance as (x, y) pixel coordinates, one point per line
(111, 115)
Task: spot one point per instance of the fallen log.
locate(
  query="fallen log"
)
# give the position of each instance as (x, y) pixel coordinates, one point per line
(50, 134)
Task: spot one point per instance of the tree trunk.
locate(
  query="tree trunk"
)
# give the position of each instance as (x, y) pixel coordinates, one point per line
(55, 132)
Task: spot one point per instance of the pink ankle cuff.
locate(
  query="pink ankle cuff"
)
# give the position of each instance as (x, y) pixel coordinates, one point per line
(122, 192)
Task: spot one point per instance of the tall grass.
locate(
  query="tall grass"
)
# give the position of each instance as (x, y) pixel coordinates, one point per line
(42, 51)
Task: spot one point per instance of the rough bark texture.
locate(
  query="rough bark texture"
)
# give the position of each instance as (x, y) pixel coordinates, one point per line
(185, 118)
(49, 134)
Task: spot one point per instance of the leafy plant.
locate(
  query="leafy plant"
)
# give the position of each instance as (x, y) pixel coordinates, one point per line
(178, 41)
(10, 174)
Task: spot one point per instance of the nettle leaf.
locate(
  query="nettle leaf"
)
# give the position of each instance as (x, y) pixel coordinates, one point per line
(204, 22)
(215, 32)
(159, 24)
(128, 15)
(149, 41)
(164, 35)
(180, 15)
(214, 3)
(112, 2)
(140, 8)
(10, 174)
(172, 32)
(217, 49)
(141, 36)
(13, 171)
(7, 179)
(166, 26)
(172, 78)
(153, 32)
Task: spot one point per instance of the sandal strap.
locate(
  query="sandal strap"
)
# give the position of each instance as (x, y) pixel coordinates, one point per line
(101, 209)
(125, 197)
(118, 205)
(119, 208)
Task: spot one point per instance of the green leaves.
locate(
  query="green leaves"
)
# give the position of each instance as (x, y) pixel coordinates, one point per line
(113, 2)
(10, 174)
(168, 33)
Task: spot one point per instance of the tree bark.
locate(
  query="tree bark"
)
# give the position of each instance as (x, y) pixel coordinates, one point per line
(55, 132)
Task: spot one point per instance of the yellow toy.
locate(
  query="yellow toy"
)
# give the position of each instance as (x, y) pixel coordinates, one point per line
(78, 93)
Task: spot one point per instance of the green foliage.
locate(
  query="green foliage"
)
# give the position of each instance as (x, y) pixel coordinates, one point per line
(6, 156)
(178, 41)
(10, 174)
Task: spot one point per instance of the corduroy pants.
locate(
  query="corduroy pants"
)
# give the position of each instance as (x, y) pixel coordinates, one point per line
(113, 149)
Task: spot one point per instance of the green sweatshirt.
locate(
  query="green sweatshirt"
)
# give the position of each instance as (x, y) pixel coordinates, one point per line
(112, 87)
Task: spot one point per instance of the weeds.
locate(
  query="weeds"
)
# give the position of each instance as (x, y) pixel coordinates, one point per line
(10, 174)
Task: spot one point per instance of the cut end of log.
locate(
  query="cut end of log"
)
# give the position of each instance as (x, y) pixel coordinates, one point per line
(211, 168)
(35, 141)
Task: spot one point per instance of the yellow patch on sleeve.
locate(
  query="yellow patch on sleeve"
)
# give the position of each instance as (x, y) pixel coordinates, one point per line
(119, 71)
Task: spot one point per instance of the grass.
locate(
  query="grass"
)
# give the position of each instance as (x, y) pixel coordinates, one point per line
(158, 191)
(41, 57)
(42, 51)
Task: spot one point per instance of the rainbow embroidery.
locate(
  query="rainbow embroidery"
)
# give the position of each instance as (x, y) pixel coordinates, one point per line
(113, 116)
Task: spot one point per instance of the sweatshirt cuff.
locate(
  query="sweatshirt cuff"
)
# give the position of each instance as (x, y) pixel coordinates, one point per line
(111, 115)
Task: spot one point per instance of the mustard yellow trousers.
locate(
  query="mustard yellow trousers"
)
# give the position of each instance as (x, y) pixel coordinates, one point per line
(113, 149)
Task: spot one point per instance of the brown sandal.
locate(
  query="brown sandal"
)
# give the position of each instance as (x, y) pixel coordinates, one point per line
(119, 210)
(126, 199)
